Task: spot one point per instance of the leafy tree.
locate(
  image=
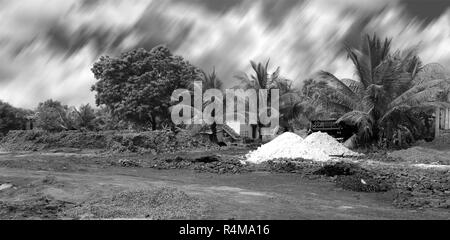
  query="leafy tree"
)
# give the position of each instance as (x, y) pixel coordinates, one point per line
(84, 117)
(386, 96)
(53, 116)
(11, 118)
(137, 85)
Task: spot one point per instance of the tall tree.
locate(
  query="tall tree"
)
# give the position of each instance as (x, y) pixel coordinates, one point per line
(137, 85)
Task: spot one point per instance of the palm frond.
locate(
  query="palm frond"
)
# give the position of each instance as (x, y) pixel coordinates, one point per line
(355, 86)
(430, 88)
(338, 84)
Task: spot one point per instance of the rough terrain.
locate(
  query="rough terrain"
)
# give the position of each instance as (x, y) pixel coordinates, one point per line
(75, 184)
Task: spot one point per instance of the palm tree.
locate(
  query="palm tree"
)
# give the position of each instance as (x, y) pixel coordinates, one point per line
(262, 79)
(385, 96)
(300, 106)
(211, 81)
(294, 103)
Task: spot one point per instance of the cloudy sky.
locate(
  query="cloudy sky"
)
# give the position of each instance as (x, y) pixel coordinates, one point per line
(47, 47)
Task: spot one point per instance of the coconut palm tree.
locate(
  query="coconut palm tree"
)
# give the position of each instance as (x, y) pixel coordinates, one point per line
(301, 106)
(261, 79)
(385, 96)
(294, 103)
(211, 81)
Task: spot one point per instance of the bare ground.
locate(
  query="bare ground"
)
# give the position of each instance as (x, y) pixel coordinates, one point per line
(90, 186)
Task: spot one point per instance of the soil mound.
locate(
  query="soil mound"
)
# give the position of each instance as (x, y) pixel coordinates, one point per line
(140, 142)
(352, 177)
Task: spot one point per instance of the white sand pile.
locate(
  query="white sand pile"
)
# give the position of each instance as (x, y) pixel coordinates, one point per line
(283, 146)
(322, 146)
(317, 146)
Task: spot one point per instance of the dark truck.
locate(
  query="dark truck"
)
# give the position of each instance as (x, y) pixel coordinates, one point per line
(339, 131)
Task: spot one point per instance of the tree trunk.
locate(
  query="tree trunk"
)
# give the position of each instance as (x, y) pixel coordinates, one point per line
(214, 128)
(153, 118)
(437, 122)
(214, 132)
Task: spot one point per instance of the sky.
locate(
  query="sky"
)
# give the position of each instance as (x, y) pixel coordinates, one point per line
(47, 47)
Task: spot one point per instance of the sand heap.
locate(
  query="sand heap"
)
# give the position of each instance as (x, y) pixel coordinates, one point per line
(317, 146)
(283, 146)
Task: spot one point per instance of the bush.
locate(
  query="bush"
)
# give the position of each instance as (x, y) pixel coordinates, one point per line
(53, 116)
(11, 118)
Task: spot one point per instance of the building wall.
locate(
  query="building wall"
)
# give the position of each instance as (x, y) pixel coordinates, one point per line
(442, 125)
(248, 131)
(444, 119)
(447, 119)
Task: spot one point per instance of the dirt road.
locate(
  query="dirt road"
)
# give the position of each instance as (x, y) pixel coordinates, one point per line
(258, 195)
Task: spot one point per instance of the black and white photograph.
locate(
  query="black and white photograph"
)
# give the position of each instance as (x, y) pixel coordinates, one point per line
(228, 110)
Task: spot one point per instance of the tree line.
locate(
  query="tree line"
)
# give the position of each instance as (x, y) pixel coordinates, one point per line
(393, 94)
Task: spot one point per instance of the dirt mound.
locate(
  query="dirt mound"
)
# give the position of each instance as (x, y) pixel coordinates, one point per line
(440, 143)
(422, 155)
(338, 169)
(419, 188)
(352, 177)
(415, 187)
(164, 203)
(211, 164)
(141, 142)
(299, 166)
(39, 140)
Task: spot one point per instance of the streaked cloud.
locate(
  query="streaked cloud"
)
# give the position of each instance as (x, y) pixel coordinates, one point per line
(48, 47)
